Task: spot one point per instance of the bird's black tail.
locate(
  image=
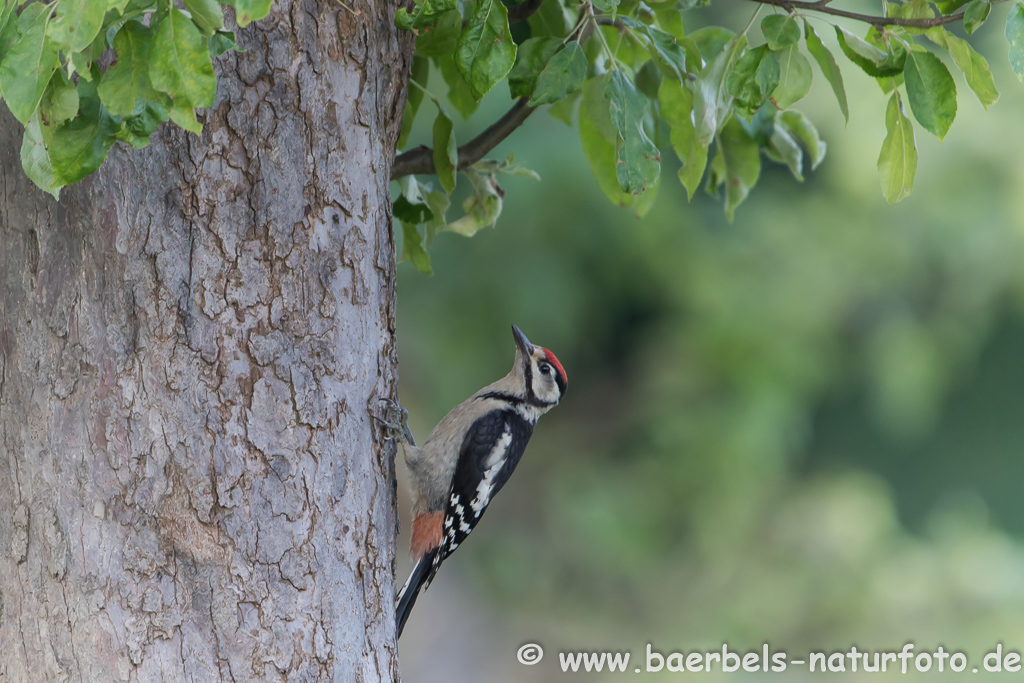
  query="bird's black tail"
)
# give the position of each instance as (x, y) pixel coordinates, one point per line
(407, 596)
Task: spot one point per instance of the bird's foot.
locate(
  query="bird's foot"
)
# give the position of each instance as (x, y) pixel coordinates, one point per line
(395, 421)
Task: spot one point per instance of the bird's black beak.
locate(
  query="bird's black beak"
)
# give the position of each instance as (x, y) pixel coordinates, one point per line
(522, 342)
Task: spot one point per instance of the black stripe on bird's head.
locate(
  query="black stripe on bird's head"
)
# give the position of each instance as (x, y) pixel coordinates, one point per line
(544, 377)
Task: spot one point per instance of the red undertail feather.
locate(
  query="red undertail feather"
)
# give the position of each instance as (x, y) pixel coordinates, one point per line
(426, 533)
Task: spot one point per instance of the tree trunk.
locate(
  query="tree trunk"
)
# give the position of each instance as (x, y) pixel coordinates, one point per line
(191, 343)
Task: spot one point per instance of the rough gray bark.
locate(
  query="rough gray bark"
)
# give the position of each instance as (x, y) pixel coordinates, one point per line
(191, 487)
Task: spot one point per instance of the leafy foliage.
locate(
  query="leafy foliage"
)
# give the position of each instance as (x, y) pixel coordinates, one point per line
(626, 71)
(73, 109)
(637, 84)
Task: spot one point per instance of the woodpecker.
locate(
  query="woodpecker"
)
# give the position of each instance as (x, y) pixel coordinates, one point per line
(469, 456)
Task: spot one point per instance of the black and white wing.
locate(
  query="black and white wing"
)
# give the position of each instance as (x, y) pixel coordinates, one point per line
(490, 452)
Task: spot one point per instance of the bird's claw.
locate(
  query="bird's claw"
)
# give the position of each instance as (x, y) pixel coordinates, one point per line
(395, 422)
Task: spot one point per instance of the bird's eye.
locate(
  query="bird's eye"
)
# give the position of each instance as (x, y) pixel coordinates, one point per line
(545, 369)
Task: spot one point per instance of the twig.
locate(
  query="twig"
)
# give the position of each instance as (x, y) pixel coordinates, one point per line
(421, 159)
(822, 6)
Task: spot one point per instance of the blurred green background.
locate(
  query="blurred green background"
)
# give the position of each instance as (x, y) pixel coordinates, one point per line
(805, 428)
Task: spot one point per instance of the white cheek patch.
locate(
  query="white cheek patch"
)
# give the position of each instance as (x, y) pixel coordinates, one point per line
(493, 464)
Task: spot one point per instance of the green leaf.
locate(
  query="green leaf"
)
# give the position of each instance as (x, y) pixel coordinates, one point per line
(247, 11)
(121, 7)
(671, 21)
(485, 52)
(596, 108)
(638, 161)
(446, 153)
(76, 23)
(482, 207)
(35, 160)
(551, 20)
(206, 14)
(676, 103)
(780, 31)
(931, 91)
(626, 45)
(645, 202)
(973, 65)
(857, 48)
(441, 38)
(438, 203)
(606, 5)
(80, 146)
(976, 14)
(60, 101)
(762, 123)
(412, 247)
(823, 56)
(648, 79)
(183, 114)
(889, 84)
(410, 207)
(1015, 36)
(424, 13)
(29, 65)
(800, 126)
(753, 79)
(563, 74)
(675, 58)
(897, 162)
(794, 77)
(419, 204)
(8, 26)
(711, 40)
(145, 119)
(80, 62)
(459, 92)
(179, 61)
(128, 79)
(563, 110)
(599, 137)
(531, 58)
(505, 167)
(409, 187)
(420, 74)
(783, 148)
(737, 165)
(7, 8)
(712, 99)
(873, 61)
(221, 42)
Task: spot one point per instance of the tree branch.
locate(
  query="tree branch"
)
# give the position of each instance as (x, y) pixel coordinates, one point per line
(420, 161)
(822, 6)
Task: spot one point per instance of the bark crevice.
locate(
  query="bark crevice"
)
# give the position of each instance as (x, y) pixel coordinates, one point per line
(191, 487)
